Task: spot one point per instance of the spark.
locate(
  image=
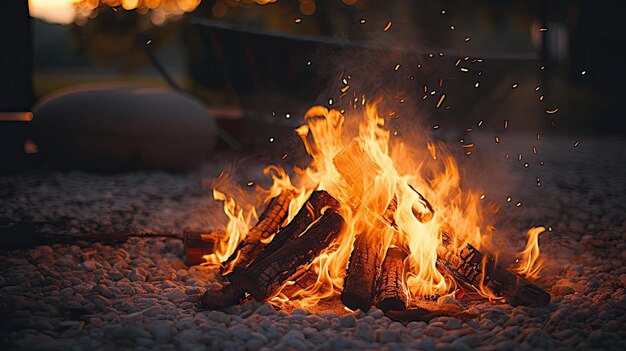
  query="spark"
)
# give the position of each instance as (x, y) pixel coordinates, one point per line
(419, 66)
(542, 67)
(469, 130)
(452, 27)
(519, 157)
(514, 85)
(480, 123)
(330, 101)
(538, 181)
(149, 41)
(284, 156)
(345, 81)
(308, 63)
(425, 88)
(440, 54)
(497, 140)
(467, 153)
(431, 55)
(583, 72)
(576, 143)
(541, 163)
(482, 197)
(436, 126)
(464, 70)
(298, 20)
(537, 88)
(287, 115)
(518, 204)
(476, 85)
(387, 26)
(250, 183)
(538, 136)
(552, 111)
(507, 156)
(456, 64)
(540, 97)
(506, 124)
(534, 150)
(543, 29)
(271, 139)
(467, 39)
(526, 165)
(397, 67)
(441, 82)
(344, 89)
(508, 199)
(443, 96)
(468, 146)
(362, 21)
(443, 12)
(433, 92)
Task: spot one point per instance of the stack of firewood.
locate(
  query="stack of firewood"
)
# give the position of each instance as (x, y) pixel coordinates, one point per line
(374, 277)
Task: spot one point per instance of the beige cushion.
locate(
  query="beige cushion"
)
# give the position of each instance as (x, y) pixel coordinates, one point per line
(116, 127)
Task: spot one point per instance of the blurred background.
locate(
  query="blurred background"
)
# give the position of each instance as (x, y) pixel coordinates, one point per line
(231, 74)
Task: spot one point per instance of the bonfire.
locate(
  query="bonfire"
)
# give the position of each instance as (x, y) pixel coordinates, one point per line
(375, 220)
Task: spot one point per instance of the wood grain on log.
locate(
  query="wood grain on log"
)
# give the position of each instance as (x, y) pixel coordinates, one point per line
(359, 285)
(311, 210)
(390, 294)
(264, 277)
(471, 268)
(269, 222)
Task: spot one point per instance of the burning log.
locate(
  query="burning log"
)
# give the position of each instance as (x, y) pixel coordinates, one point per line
(269, 223)
(311, 210)
(475, 269)
(264, 277)
(359, 285)
(390, 294)
(308, 213)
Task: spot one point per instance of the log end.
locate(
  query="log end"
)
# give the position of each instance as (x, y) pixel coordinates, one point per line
(356, 301)
(227, 296)
(251, 285)
(527, 294)
(391, 304)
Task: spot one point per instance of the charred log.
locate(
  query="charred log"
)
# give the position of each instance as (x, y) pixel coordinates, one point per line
(474, 269)
(390, 294)
(311, 210)
(302, 281)
(269, 222)
(359, 285)
(265, 275)
(228, 295)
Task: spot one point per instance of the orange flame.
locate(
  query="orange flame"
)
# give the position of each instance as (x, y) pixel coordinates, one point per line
(529, 263)
(356, 161)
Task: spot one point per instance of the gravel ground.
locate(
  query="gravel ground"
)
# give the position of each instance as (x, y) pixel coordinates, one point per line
(140, 294)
